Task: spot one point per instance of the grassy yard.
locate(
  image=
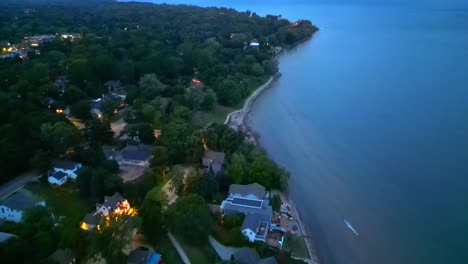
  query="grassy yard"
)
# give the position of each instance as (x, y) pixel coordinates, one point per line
(297, 246)
(218, 116)
(62, 201)
(199, 254)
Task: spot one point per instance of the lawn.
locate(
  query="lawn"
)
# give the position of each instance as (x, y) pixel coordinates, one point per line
(297, 246)
(62, 201)
(199, 254)
(218, 116)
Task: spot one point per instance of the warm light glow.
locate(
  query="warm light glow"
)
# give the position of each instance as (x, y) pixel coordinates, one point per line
(34, 45)
(84, 226)
(196, 81)
(59, 111)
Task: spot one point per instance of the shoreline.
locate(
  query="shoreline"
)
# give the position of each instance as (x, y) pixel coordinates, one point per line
(237, 120)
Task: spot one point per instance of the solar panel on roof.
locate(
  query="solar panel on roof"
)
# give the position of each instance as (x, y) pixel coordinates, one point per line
(247, 202)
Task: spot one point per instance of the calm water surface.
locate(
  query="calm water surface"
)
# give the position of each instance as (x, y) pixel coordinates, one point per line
(371, 118)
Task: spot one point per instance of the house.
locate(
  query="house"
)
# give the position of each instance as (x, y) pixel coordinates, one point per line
(69, 167)
(113, 85)
(213, 160)
(116, 90)
(248, 255)
(138, 155)
(12, 207)
(143, 255)
(250, 200)
(96, 112)
(113, 205)
(58, 178)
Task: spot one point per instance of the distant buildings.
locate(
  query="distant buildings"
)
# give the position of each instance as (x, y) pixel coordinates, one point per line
(38, 40)
(12, 207)
(252, 201)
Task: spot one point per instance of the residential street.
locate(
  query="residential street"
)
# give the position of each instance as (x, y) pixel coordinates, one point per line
(17, 183)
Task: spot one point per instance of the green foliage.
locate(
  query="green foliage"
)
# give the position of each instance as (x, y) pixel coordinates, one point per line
(275, 202)
(233, 220)
(81, 109)
(95, 183)
(190, 213)
(203, 185)
(238, 168)
(60, 136)
(152, 218)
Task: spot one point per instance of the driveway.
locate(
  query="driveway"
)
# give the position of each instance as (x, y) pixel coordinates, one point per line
(17, 183)
(223, 252)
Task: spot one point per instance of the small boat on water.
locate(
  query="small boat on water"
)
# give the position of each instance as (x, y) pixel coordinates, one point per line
(351, 227)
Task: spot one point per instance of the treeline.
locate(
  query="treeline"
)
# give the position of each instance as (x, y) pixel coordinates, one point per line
(154, 50)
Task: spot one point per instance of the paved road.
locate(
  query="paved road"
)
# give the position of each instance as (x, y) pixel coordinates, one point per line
(17, 183)
(179, 249)
(223, 252)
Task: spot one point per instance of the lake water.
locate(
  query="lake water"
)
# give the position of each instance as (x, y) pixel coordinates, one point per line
(371, 119)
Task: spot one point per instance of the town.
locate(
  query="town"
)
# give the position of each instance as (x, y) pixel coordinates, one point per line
(115, 148)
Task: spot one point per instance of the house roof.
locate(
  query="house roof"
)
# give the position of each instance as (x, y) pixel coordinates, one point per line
(111, 153)
(113, 83)
(139, 256)
(58, 175)
(230, 208)
(214, 157)
(19, 201)
(66, 165)
(246, 255)
(140, 152)
(250, 189)
(113, 201)
(252, 221)
(91, 219)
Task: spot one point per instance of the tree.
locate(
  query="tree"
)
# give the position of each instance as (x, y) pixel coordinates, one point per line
(209, 100)
(160, 160)
(81, 109)
(60, 136)
(150, 86)
(177, 181)
(233, 220)
(270, 66)
(152, 218)
(237, 168)
(276, 202)
(190, 213)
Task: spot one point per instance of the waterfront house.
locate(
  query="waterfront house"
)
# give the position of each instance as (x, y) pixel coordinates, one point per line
(251, 201)
(138, 155)
(12, 207)
(213, 160)
(248, 255)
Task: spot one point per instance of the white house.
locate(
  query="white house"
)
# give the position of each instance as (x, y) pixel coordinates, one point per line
(68, 167)
(58, 178)
(12, 207)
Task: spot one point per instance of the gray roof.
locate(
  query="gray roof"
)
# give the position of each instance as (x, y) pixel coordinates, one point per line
(113, 83)
(65, 164)
(111, 153)
(139, 256)
(59, 175)
(113, 201)
(230, 208)
(91, 219)
(19, 201)
(250, 189)
(252, 221)
(246, 255)
(214, 159)
(140, 152)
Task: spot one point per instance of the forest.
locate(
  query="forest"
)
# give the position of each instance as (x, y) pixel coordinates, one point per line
(172, 63)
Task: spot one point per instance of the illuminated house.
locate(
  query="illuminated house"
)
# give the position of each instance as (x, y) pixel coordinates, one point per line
(113, 205)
